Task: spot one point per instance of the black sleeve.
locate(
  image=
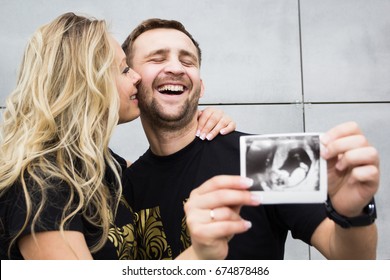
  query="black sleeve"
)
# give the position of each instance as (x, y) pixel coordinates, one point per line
(301, 219)
(122, 162)
(50, 216)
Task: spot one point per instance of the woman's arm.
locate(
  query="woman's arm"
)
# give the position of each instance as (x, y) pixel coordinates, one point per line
(52, 245)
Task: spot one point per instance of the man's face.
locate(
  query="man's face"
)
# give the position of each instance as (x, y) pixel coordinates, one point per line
(171, 86)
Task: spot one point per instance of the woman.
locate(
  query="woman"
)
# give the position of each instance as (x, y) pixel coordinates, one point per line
(60, 186)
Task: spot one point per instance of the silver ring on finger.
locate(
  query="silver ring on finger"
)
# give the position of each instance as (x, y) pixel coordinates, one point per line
(212, 215)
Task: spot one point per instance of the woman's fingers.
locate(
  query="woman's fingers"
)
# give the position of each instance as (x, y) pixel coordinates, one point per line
(212, 121)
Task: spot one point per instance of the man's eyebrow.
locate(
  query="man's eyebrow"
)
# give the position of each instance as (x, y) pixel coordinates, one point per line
(166, 51)
(190, 54)
(157, 52)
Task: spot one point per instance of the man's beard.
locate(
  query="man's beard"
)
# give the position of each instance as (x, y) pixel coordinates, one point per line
(155, 115)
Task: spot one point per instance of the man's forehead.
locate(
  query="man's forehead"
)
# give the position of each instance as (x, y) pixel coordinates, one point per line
(164, 38)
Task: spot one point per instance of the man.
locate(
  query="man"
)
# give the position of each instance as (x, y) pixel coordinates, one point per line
(168, 60)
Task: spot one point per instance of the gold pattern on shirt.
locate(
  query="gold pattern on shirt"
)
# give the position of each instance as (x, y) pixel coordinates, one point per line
(123, 237)
(151, 237)
(152, 241)
(185, 236)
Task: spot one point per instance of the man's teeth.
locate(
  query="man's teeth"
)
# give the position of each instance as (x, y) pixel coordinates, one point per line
(171, 88)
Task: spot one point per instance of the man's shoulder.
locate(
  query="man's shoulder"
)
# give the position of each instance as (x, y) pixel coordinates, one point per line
(231, 139)
(220, 142)
(144, 157)
(236, 134)
(223, 145)
(233, 136)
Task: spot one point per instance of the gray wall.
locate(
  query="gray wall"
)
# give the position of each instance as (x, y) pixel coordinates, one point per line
(274, 66)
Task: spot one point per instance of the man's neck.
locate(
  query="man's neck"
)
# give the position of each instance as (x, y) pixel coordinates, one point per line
(163, 142)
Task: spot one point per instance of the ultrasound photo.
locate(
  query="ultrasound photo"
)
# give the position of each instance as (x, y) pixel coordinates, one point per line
(287, 165)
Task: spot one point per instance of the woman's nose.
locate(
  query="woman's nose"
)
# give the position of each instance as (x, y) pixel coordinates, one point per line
(135, 77)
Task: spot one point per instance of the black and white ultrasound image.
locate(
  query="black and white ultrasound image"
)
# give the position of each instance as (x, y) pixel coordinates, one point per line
(289, 163)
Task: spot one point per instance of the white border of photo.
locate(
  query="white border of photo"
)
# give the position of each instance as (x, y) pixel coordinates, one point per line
(274, 194)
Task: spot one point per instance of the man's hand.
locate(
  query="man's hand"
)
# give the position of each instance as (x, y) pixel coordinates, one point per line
(353, 168)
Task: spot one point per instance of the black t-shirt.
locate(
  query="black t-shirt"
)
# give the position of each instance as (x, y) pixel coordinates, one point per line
(13, 212)
(159, 186)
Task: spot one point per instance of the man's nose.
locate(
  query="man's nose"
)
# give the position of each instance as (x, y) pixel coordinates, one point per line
(174, 66)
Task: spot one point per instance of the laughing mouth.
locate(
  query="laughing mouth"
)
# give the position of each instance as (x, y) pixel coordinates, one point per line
(133, 97)
(171, 89)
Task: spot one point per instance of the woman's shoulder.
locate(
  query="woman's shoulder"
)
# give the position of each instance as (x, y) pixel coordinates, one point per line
(48, 203)
(122, 162)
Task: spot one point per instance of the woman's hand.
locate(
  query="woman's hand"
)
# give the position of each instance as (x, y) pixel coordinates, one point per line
(212, 121)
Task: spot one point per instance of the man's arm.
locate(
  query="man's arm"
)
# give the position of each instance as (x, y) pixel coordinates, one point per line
(353, 179)
(335, 242)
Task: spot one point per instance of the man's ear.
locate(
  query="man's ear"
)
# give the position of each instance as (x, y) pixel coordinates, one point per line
(201, 88)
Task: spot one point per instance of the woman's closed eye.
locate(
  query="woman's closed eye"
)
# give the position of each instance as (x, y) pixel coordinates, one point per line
(126, 70)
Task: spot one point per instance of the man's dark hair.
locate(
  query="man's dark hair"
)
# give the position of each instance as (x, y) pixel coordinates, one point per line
(155, 23)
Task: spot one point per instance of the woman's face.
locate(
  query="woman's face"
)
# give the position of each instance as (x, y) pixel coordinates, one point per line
(126, 83)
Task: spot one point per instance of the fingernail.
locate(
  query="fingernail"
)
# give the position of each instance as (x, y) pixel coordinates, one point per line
(324, 138)
(202, 136)
(197, 133)
(209, 136)
(247, 182)
(248, 224)
(256, 198)
(324, 152)
(222, 131)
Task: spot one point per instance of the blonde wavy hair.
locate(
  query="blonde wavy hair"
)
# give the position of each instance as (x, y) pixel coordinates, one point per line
(58, 122)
